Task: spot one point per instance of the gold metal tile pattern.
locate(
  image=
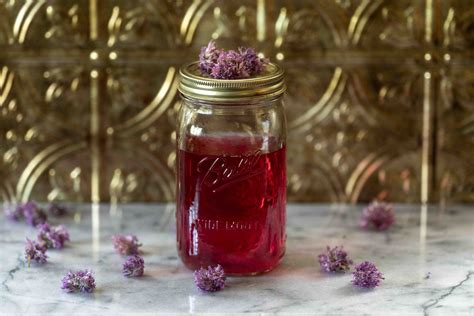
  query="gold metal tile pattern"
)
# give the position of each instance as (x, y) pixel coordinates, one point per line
(379, 102)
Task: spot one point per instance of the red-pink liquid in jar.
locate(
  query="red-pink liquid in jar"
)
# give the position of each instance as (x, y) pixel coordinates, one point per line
(231, 204)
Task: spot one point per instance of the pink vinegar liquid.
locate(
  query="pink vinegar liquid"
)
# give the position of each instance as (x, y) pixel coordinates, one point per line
(231, 204)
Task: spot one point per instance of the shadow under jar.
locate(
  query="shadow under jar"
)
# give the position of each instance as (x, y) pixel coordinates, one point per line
(231, 178)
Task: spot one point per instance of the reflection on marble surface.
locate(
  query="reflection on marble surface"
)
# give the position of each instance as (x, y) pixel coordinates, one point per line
(423, 241)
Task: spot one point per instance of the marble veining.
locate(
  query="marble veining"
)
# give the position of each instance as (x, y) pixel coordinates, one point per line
(441, 247)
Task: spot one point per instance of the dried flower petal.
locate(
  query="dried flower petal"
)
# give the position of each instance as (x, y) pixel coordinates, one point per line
(126, 244)
(133, 266)
(33, 214)
(35, 252)
(13, 211)
(221, 64)
(52, 237)
(378, 215)
(367, 275)
(57, 210)
(211, 279)
(79, 281)
(334, 260)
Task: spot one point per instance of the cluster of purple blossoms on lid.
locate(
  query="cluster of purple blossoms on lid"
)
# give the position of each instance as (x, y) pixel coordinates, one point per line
(126, 244)
(211, 279)
(52, 237)
(35, 252)
(79, 281)
(133, 266)
(378, 215)
(335, 260)
(367, 275)
(220, 64)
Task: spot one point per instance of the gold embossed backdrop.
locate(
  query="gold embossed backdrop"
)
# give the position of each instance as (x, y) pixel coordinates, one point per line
(380, 95)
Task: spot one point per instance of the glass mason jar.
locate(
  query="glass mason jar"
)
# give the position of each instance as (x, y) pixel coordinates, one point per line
(231, 178)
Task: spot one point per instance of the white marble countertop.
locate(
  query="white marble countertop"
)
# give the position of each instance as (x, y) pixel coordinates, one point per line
(443, 246)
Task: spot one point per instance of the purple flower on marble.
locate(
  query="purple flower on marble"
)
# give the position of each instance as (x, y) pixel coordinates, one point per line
(378, 215)
(52, 237)
(231, 64)
(57, 210)
(126, 244)
(79, 281)
(211, 279)
(13, 211)
(35, 252)
(133, 266)
(33, 214)
(30, 212)
(367, 275)
(334, 260)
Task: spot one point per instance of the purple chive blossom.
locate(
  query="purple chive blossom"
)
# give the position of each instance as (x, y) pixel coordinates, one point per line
(79, 281)
(208, 57)
(378, 215)
(57, 210)
(334, 260)
(33, 214)
(211, 279)
(367, 275)
(13, 211)
(134, 266)
(126, 244)
(229, 66)
(30, 212)
(221, 64)
(52, 237)
(253, 65)
(35, 252)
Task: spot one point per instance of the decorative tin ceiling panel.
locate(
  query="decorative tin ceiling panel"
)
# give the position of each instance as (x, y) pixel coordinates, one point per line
(379, 98)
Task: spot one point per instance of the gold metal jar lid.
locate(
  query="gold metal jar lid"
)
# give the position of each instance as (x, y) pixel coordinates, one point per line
(268, 85)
